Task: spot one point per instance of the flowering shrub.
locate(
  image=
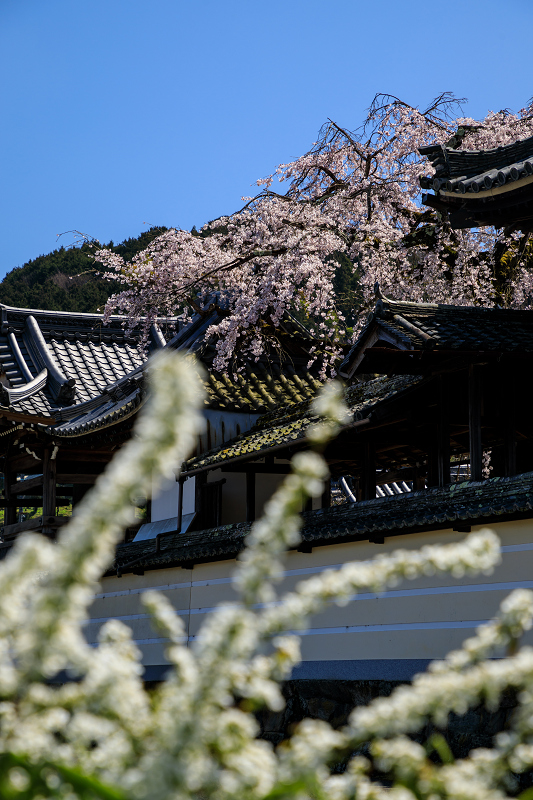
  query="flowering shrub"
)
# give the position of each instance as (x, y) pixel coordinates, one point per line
(104, 736)
(355, 193)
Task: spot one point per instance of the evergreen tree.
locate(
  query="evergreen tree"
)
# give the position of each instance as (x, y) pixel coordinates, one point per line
(67, 279)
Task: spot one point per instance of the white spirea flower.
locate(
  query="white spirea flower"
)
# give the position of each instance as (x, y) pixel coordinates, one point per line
(196, 735)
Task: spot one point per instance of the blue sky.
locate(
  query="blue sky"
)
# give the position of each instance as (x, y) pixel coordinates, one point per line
(120, 114)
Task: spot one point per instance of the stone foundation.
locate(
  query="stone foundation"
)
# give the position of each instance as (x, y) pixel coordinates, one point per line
(332, 701)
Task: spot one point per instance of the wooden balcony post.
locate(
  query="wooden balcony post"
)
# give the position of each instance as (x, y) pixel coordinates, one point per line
(443, 437)
(368, 478)
(475, 398)
(509, 424)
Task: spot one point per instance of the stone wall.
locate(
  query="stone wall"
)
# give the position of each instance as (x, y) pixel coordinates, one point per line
(333, 701)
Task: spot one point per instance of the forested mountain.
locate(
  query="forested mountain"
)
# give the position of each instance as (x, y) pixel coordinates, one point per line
(64, 280)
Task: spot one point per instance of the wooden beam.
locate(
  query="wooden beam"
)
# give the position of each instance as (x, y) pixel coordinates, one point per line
(65, 466)
(250, 496)
(34, 485)
(35, 524)
(79, 477)
(84, 456)
(262, 469)
(474, 421)
(26, 463)
(32, 502)
(25, 486)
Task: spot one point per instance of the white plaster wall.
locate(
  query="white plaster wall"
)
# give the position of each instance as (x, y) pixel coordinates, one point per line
(224, 425)
(265, 486)
(424, 618)
(165, 501)
(189, 488)
(234, 493)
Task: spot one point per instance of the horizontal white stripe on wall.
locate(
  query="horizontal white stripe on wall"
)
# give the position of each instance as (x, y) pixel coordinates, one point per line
(399, 626)
(508, 548)
(506, 586)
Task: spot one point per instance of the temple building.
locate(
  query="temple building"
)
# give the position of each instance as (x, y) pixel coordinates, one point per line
(70, 389)
(439, 443)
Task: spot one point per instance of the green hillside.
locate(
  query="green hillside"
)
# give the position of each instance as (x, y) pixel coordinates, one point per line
(61, 281)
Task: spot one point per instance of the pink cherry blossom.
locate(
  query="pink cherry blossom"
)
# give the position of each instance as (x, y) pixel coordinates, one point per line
(353, 192)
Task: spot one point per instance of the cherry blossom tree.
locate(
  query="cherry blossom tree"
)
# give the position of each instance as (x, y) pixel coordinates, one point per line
(354, 195)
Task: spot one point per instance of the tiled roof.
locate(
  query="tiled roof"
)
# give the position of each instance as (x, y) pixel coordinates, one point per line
(475, 170)
(104, 411)
(438, 508)
(482, 187)
(77, 375)
(285, 427)
(78, 357)
(261, 387)
(432, 327)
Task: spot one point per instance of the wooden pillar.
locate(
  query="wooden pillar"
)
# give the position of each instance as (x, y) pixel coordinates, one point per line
(180, 503)
(326, 494)
(368, 478)
(443, 435)
(200, 482)
(11, 512)
(419, 480)
(49, 487)
(509, 423)
(475, 398)
(250, 496)
(432, 478)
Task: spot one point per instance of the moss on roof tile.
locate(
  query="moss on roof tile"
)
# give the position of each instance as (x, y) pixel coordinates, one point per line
(286, 425)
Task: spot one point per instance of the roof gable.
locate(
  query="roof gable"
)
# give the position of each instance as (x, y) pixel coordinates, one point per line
(424, 334)
(482, 187)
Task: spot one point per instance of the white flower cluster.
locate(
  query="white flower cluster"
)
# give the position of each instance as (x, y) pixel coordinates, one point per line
(104, 736)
